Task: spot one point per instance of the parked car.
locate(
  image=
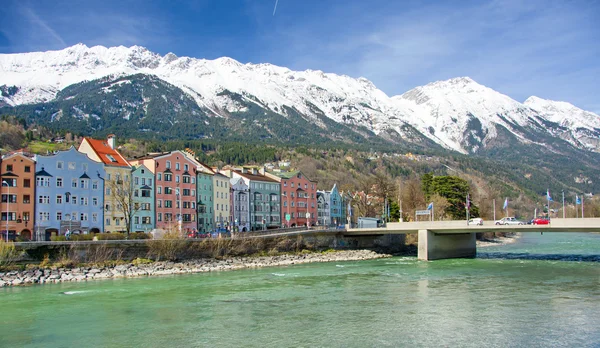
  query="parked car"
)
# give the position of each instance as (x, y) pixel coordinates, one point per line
(475, 221)
(509, 221)
(540, 221)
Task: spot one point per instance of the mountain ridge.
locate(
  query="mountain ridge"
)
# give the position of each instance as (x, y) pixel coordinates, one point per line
(458, 114)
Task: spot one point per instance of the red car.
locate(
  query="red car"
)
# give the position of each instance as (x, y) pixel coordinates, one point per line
(541, 221)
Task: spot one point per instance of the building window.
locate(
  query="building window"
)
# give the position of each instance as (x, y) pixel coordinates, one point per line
(168, 177)
(27, 169)
(107, 222)
(74, 183)
(94, 217)
(43, 181)
(58, 199)
(60, 165)
(159, 203)
(10, 198)
(168, 204)
(136, 220)
(44, 199)
(159, 177)
(95, 201)
(72, 166)
(159, 217)
(168, 164)
(186, 167)
(177, 166)
(84, 217)
(83, 183)
(159, 190)
(26, 199)
(94, 185)
(146, 220)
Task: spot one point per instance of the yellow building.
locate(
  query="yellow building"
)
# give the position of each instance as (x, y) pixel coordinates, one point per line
(118, 195)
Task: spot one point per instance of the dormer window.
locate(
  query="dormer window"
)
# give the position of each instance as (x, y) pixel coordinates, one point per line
(111, 158)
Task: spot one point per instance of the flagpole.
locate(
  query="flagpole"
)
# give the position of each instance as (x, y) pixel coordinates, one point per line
(582, 198)
(494, 202)
(563, 197)
(576, 208)
(548, 199)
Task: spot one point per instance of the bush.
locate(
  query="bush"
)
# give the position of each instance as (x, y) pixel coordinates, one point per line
(141, 261)
(111, 236)
(170, 247)
(8, 254)
(140, 235)
(82, 237)
(58, 238)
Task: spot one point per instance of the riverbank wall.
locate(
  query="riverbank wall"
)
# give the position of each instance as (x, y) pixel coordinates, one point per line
(189, 249)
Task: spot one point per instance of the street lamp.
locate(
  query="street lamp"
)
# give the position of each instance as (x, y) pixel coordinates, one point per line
(5, 183)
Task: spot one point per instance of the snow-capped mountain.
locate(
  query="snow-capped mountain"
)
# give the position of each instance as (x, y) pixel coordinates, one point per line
(458, 114)
(582, 128)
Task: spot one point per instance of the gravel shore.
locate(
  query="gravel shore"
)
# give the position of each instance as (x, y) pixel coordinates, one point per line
(498, 241)
(57, 275)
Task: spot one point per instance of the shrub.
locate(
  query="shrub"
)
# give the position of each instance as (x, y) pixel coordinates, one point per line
(111, 236)
(140, 235)
(81, 237)
(58, 238)
(141, 261)
(170, 247)
(8, 254)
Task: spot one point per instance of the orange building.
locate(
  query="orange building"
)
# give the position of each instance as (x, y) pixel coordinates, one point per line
(17, 172)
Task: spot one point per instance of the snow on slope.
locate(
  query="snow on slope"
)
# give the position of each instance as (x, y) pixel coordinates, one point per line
(447, 108)
(42, 74)
(584, 126)
(458, 114)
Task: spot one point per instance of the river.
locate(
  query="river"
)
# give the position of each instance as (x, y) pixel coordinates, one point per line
(542, 290)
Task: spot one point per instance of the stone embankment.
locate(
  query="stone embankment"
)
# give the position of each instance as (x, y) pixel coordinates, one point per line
(57, 275)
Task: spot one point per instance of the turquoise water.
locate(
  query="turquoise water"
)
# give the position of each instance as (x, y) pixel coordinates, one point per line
(543, 290)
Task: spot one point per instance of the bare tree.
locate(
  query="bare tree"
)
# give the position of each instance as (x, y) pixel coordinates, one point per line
(124, 195)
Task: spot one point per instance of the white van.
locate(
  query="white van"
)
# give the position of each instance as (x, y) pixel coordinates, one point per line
(475, 221)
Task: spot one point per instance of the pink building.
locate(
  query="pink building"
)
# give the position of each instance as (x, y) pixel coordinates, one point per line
(175, 188)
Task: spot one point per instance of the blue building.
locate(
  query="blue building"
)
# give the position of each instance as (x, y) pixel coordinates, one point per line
(69, 194)
(336, 203)
(143, 199)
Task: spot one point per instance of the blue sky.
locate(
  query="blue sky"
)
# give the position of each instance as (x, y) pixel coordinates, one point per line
(520, 48)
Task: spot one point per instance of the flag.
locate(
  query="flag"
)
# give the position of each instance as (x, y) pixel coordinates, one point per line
(430, 206)
(577, 199)
(548, 196)
(468, 202)
(349, 210)
(505, 204)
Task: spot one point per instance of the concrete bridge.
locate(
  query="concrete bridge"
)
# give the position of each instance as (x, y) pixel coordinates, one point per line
(455, 239)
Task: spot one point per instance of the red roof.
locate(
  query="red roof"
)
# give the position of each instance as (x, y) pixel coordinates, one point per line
(107, 155)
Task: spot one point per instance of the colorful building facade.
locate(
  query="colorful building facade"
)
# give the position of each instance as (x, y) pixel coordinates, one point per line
(69, 192)
(17, 176)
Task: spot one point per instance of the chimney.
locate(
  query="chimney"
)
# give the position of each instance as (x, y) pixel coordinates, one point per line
(262, 170)
(111, 139)
(254, 171)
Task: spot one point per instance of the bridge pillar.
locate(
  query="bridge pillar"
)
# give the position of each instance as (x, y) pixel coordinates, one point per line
(434, 246)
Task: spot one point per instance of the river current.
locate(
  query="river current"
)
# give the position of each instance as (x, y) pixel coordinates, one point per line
(541, 291)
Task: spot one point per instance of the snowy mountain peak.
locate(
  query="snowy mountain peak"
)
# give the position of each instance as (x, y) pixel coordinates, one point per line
(458, 113)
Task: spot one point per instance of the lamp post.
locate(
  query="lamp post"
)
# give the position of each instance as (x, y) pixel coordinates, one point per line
(5, 183)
